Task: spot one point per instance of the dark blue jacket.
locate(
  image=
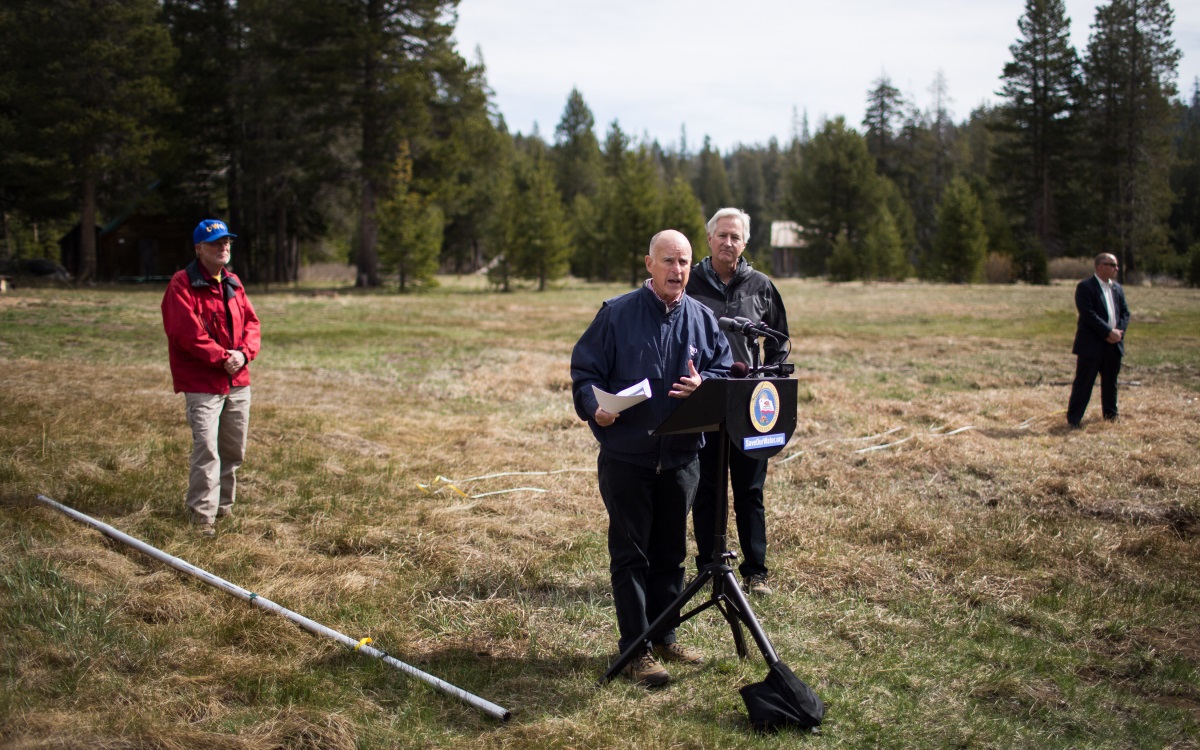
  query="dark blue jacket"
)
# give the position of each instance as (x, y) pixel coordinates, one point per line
(1093, 328)
(634, 337)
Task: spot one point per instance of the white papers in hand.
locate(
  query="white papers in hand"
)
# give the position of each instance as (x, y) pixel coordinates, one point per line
(616, 403)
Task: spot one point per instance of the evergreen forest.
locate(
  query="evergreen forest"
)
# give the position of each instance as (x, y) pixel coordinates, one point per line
(356, 131)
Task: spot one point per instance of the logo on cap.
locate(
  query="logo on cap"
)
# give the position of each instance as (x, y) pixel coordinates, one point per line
(210, 230)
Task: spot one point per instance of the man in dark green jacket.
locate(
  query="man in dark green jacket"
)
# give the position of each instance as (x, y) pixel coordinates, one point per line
(729, 287)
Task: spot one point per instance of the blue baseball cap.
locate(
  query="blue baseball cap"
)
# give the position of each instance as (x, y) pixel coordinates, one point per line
(210, 230)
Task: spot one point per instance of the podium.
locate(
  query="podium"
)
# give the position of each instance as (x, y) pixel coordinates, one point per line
(756, 416)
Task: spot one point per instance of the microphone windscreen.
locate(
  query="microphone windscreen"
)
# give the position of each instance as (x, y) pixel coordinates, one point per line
(739, 370)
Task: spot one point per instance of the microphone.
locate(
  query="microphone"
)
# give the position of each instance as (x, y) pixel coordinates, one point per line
(762, 328)
(749, 328)
(737, 325)
(739, 370)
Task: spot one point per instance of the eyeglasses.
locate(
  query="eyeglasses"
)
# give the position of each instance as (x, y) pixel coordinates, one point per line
(1114, 265)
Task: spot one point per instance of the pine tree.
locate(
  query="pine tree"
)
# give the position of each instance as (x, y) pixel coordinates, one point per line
(636, 213)
(1185, 177)
(916, 169)
(475, 160)
(398, 51)
(885, 110)
(613, 231)
(750, 193)
(960, 246)
(590, 235)
(576, 150)
(410, 230)
(883, 254)
(941, 122)
(616, 146)
(1038, 86)
(681, 211)
(595, 222)
(712, 182)
(835, 191)
(1129, 72)
(538, 248)
(845, 262)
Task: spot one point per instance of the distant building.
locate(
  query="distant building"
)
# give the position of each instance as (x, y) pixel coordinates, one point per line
(134, 248)
(137, 245)
(787, 242)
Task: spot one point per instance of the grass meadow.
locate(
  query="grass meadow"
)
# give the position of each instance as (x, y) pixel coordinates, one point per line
(953, 567)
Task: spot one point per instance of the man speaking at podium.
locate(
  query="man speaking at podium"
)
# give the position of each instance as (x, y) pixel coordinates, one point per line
(648, 481)
(727, 284)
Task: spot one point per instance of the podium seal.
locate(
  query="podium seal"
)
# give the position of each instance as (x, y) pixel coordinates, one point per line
(764, 406)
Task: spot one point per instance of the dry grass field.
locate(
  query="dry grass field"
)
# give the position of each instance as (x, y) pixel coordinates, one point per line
(953, 567)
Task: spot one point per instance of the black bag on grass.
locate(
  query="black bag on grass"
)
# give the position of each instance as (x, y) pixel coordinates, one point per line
(782, 700)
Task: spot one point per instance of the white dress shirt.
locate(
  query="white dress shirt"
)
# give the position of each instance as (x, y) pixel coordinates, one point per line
(1106, 287)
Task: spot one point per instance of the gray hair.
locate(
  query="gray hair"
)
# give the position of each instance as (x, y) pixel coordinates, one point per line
(737, 213)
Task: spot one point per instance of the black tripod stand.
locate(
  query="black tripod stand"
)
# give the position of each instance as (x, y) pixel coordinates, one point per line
(714, 399)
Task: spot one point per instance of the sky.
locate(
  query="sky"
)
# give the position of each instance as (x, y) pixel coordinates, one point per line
(744, 71)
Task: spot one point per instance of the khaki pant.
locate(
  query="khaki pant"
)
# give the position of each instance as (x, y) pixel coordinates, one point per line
(219, 425)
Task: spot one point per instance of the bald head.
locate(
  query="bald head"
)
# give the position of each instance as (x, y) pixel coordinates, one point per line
(669, 262)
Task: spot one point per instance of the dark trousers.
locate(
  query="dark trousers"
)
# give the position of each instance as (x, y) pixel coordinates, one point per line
(647, 540)
(747, 476)
(1107, 366)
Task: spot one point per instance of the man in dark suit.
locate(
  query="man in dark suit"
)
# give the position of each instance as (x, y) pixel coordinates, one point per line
(1099, 339)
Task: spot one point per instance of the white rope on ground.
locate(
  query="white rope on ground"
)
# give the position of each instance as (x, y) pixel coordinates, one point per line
(451, 484)
(885, 445)
(955, 432)
(514, 489)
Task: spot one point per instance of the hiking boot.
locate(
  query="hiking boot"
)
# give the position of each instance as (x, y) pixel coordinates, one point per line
(205, 528)
(677, 652)
(225, 512)
(644, 669)
(757, 584)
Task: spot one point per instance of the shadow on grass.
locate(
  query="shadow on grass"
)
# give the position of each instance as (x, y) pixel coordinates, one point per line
(533, 689)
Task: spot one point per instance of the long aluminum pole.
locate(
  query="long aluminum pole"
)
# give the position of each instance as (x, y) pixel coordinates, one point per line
(489, 708)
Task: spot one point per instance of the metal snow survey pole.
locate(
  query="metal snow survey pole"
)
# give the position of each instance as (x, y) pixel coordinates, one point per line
(489, 708)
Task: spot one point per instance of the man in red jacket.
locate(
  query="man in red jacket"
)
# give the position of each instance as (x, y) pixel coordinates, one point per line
(212, 334)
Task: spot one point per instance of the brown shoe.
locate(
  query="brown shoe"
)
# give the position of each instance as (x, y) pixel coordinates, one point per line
(645, 670)
(757, 584)
(677, 652)
(206, 528)
(225, 512)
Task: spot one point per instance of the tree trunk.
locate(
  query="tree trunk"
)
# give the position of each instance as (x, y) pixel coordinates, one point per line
(8, 239)
(285, 256)
(368, 235)
(368, 239)
(87, 232)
